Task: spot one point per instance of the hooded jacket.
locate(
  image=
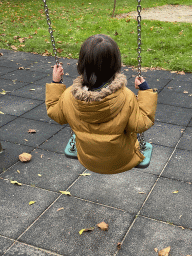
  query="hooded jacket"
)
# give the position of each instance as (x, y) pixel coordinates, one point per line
(105, 123)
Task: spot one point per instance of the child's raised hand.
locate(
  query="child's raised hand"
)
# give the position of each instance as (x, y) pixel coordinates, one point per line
(138, 81)
(58, 72)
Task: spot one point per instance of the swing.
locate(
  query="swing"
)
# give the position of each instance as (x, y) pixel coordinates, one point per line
(145, 147)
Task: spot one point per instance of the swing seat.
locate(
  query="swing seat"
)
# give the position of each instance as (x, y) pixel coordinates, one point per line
(147, 152)
(71, 153)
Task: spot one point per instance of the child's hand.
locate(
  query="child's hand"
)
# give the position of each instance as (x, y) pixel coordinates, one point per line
(138, 81)
(57, 73)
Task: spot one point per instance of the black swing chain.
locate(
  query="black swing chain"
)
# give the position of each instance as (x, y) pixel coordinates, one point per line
(51, 32)
(72, 141)
(140, 135)
(139, 37)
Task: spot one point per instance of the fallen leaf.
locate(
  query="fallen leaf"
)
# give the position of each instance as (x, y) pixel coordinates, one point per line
(164, 252)
(21, 68)
(18, 171)
(155, 249)
(15, 182)
(25, 139)
(39, 175)
(31, 89)
(85, 230)
(170, 88)
(25, 157)
(103, 226)
(67, 74)
(21, 40)
(59, 50)
(3, 92)
(119, 246)
(32, 202)
(1, 113)
(60, 209)
(185, 92)
(181, 73)
(65, 193)
(141, 192)
(31, 131)
(175, 192)
(85, 174)
(14, 47)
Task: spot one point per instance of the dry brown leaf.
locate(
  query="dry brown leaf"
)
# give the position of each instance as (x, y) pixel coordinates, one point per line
(164, 252)
(103, 226)
(155, 249)
(14, 47)
(31, 131)
(60, 209)
(119, 246)
(181, 73)
(21, 40)
(21, 68)
(25, 157)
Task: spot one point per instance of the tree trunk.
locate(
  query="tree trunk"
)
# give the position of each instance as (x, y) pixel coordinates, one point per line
(114, 8)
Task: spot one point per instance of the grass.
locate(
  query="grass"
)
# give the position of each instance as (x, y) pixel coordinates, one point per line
(164, 44)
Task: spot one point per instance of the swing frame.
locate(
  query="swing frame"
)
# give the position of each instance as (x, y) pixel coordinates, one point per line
(145, 147)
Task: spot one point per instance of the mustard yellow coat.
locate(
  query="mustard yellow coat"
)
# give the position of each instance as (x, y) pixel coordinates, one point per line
(106, 123)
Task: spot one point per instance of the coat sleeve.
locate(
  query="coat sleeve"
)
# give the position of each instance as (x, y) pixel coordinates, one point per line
(143, 110)
(54, 102)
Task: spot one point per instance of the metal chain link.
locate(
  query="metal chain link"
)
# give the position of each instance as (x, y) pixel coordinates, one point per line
(139, 37)
(72, 141)
(141, 135)
(51, 32)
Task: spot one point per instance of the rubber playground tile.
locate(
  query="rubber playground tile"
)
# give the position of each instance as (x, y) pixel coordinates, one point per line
(173, 115)
(5, 70)
(179, 167)
(173, 98)
(170, 201)
(17, 131)
(186, 140)
(16, 106)
(5, 243)
(27, 250)
(16, 213)
(160, 156)
(10, 85)
(10, 155)
(67, 80)
(190, 123)
(159, 74)
(180, 86)
(58, 142)
(31, 91)
(39, 113)
(71, 70)
(147, 234)
(48, 170)
(153, 83)
(58, 229)
(164, 134)
(24, 76)
(4, 119)
(126, 191)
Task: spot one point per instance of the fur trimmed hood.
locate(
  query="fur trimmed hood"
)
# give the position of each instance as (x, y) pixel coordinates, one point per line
(99, 106)
(80, 93)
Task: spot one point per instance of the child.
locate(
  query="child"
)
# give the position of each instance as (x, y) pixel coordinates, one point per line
(103, 113)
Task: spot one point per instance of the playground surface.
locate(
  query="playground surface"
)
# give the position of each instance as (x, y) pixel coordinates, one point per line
(168, 13)
(146, 210)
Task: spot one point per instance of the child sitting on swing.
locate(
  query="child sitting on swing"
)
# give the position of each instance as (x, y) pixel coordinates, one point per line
(103, 113)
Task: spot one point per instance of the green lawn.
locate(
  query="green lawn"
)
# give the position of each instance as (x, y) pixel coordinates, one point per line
(164, 44)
